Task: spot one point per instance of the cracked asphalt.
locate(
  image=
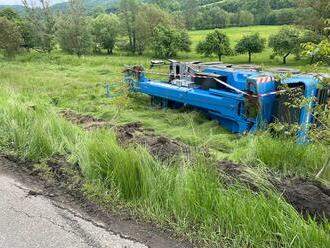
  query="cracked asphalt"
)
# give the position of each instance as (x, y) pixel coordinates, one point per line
(32, 221)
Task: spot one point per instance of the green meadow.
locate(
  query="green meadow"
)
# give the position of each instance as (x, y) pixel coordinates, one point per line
(187, 197)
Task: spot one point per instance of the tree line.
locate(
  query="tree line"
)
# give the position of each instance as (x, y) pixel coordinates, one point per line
(208, 14)
(146, 26)
(138, 28)
(287, 41)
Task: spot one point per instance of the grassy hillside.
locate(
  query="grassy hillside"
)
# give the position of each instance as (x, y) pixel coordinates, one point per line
(18, 8)
(235, 34)
(78, 84)
(188, 196)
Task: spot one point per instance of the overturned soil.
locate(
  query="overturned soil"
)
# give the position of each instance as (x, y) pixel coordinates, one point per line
(309, 197)
(132, 134)
(161, 147)
(85, 121)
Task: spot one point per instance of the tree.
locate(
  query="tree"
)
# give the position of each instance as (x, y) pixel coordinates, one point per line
(215, 43)
(243, 18)
(10, 37)
(190, 10)
(285, 42)
(128, 12)
(29, 34)
(319, 51)
(251, 44)
(106, 30)
(148, 18)
(10, 14)
(74, 30)
(168, 41)
(214, 17)
(281, 16)
(98, 10)
(259, 8)
(42, 22)
(313, 14)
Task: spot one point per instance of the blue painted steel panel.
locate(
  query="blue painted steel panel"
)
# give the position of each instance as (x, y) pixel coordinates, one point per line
(229, 107)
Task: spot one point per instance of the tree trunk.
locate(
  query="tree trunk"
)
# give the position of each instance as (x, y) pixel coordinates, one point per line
(109, 51)
(284, 58)
(134, 42)
(250, 55)
(220, 56)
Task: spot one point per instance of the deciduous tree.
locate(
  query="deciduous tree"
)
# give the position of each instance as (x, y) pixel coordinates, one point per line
(106, 30)
(149, 17)
(313, 14)
(42, 22)
(10, 14)
(74, 30)
(128, 13)
(285, 42)
(215, 43)
(168, 41)
(10, 37)
(251, 44)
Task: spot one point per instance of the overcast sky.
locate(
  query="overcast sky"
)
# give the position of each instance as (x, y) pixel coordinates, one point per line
(13, 2)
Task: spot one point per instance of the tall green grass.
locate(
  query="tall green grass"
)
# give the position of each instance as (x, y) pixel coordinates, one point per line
(33, 129)
(283, 155)
(190, 199)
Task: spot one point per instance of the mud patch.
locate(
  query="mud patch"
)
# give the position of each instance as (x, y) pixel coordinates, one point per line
(162, 148)
(85, 121)
(69, 175)
(236, 172)
(309, 197)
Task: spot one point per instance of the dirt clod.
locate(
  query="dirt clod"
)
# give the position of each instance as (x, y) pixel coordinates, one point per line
(309, 197)
(85, 121)
(161, 147)
(236, 172)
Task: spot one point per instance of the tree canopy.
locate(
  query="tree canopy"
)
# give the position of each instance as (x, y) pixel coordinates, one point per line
(285, 42)
(168, 41)
(10, 37)
(251, 44)
(215, 42)
(74, 30)
(106, 31)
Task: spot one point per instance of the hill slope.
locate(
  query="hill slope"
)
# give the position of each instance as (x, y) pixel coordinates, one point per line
(62, 5)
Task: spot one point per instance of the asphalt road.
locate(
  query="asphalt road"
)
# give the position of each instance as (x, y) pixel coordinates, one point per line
(32, 221)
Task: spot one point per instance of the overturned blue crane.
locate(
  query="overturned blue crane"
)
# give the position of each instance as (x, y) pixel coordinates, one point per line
(242, 98)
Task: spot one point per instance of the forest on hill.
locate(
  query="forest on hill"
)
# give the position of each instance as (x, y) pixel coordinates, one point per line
(208, 14)
(161, 27)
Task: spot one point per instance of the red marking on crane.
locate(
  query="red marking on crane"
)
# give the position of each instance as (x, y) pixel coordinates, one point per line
(262, 80)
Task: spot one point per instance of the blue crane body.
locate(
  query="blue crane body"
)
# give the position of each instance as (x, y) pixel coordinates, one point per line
(242, 99)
